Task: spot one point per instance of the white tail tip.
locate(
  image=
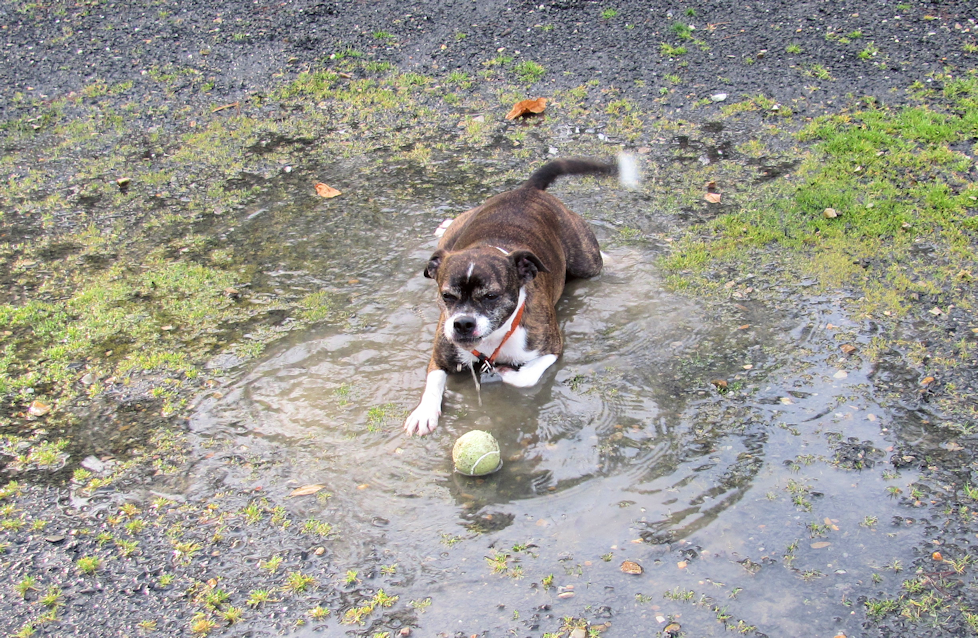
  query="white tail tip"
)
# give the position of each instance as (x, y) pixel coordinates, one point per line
(628, 174)
(443, 227)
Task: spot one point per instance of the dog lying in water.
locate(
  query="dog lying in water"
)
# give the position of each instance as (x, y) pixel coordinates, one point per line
(500, 269)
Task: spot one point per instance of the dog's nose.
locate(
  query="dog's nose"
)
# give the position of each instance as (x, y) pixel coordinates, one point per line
(464, 326)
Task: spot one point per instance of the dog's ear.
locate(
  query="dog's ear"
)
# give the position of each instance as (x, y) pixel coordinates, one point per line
(432, 268)
(527, 265)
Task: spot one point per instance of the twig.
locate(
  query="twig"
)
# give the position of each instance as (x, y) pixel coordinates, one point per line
(236, 105)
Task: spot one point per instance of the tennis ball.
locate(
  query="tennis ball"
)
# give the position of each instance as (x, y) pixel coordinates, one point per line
(476, 453)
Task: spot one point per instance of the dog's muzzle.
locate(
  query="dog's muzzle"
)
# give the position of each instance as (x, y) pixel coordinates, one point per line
(465, 327)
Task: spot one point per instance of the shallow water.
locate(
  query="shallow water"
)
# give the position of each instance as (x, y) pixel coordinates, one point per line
(624, 451)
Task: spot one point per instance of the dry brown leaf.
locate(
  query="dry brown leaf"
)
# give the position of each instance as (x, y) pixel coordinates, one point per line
(527, 106)
(820, 545)
(937, 556)
(38, 408)
(681, 564)
(306, 490)
(713, 198)
(630, 567)
(848, 348)
(326, 191)
(719, 383)
(927, 381)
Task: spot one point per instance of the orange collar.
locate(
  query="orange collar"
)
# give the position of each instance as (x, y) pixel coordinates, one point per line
(487, 362)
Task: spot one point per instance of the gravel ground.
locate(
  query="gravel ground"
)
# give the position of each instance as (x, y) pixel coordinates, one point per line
(779, 49)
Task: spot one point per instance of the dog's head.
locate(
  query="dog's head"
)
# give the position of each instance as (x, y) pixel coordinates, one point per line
(479, 289)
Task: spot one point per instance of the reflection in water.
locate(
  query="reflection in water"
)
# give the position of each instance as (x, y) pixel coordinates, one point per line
(624, 450)
(603, 410)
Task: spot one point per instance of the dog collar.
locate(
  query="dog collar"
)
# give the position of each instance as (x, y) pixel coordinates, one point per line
(486, 363)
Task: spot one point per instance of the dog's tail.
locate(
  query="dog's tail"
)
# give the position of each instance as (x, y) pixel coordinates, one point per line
(626, 168)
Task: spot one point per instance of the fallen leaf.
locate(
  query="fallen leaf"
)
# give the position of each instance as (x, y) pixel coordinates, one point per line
(527, 106)
(927, 381)
(363, 486)
(713, 198)
(326, 191)
(830, 213)
(306, 490)
(38, 408)
(629, 567)
(820, 545)
(848, 348)
(953, 447)
(937, 556)
(719, 383)
(743, 327)
(936, 311)
(681, 564)
(786, 401)
(672, 629)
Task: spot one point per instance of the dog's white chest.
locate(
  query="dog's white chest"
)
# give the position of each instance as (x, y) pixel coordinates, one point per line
(514, 351)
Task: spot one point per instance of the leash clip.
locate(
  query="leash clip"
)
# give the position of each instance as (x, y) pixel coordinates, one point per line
(485, 365)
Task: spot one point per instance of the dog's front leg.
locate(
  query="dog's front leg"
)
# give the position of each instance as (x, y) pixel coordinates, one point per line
(531, 371)
(424, 419)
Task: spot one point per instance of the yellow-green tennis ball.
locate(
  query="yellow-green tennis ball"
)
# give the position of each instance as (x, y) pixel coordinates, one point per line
(476, 453)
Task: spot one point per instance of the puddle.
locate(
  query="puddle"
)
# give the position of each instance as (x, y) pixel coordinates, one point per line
(765, 506)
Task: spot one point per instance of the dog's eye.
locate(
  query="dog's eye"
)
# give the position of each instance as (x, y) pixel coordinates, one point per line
(490, 296)
(448, 297)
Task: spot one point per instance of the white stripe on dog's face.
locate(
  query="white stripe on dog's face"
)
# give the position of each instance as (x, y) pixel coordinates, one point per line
(471, 268)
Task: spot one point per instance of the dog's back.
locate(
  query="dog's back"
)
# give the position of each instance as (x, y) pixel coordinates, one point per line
(532, 218)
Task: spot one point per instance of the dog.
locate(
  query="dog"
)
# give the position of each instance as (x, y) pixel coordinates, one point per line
(500, 269)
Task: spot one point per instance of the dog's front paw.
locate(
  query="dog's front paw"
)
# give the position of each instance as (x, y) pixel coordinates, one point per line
(528, 375)
(517, 378)
(422, 421)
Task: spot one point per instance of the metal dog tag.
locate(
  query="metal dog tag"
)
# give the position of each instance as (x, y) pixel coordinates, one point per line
(490, 376)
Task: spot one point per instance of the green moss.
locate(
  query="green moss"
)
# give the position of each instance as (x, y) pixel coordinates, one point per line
(529, 71)
(893, 180)
(671, 51)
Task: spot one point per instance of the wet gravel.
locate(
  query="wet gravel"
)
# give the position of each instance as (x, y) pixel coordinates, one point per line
(807, 54)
